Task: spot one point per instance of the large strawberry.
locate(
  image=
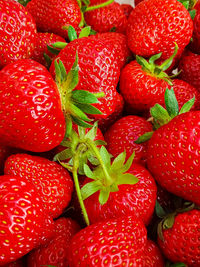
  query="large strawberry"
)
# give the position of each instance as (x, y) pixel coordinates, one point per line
(17, 32)
(118, 242)
(180, 238)
(98, 70)
(30, 107)
(55, 252)
(154, 26)
(23, 222)
(53, 16)
(53, 182)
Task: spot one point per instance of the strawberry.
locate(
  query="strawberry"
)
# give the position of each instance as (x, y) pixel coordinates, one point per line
(121, 136)
(4, 153)
(195, 44)
(41, 51)
(154, 26)
(17, 32)
(173, 156)
(117, 242)
(106, 18)
(23, 223)
(55, 252)
(18, 263)
(180, 239)
(53, 15)
(98, 73)
(30, 107)
(53, 182)
(127, 9)
(138, 199)
(152, 256)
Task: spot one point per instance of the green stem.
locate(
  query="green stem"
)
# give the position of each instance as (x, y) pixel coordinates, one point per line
(98, 156)
(90, 8)
(76, 182)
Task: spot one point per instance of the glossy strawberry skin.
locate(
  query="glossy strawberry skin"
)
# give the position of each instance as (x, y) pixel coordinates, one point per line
(30, 107)
(182, 241)
(138, 199)
(141, 90)
(195, 43)
(152, 256)
(52, 16)
(23, 222)
(106, 18)
(53, 182)
(174, 154)
(98, 70)
(154, 27)
(44, 39)
(114, 243)
(55, 252)
(122, 135)
(17, 32)
(127, 9)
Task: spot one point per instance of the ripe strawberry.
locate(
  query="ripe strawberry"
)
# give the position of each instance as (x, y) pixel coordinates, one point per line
(127, 9)
(190, 69)
(53, 15)
(173, 155)
(181, 240)
(4, 153)
(195, 43)
(23, 223)
(18, 263)
(44, 39)
(142, 88)
(154, 26)
(30, 107)
(152, 256)
(98, 70)
(131, 199)
(121, 136)
(55, 252)
(117, 242)
(17, 32)
(53, 182)
(106, 18)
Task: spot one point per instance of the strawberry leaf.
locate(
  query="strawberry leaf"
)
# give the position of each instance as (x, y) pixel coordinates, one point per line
(160, 114)
(88, 109)
(127, 178)
(187, 106)
(63, 155)
(81, 122)
(171, 103)
(72, 33)
(92, 132)
(104, 195)
(85, 32)
(79, 113)
(159, 210)
(105, 156)
(88, 171)
(143, 138)
(59, 45)
(53, 50)
(48, 60)
(119, 160)
(68, 121)
(84, 97)
(100, 143)
(89, 189)
(192, 14)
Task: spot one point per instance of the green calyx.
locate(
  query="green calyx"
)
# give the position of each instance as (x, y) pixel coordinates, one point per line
(177, 264)
(75, 103)
(157, 70)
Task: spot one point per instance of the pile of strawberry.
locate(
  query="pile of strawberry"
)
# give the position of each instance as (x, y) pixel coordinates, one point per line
(99, 133)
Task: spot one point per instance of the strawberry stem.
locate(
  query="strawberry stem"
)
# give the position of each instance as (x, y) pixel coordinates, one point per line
(90, 8)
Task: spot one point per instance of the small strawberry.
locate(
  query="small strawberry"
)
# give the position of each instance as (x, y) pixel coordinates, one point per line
(17, 32)
(55, 252)
(152, 256)
(117, 242)
(180, 238)
(121, 136)
(154, 26)
(53, 182)
(41, 51)
(195, 43)
(55, 16)
(23, 222)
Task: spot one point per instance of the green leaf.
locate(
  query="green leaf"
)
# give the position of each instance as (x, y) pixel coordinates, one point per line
(128, 163)
(178, 264)
(114, 188)
(63, 155)
(93, 160)
(160, 114)
(72, 76)
(104, 195)
(81, 132)
(160, 230)
(76, 112)
(105, 156)
(159, 210)
(62, 70)
(192, 13)
(100, 143)
(48, 60)
(53, 50)
(89, 189)
(118, 162)
(143, 63)
(85, 32)
(93, 32)
(65, 143)
(88, 171)
(84, 97)
(59, 45)
(154, 58)
(186, 4)
(143, 138)
(57, 71)
(187, 106)
(81, 122)
(91, 134)
(72, 33)
(89, 109)
(127, 178)
(171, 103)
(169, 221)
(86, 2)
(68, 121)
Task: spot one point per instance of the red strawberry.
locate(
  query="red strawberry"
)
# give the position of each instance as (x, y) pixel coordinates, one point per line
(127, 9)
(152, 256)
(18, 263)
(154, 26)
(195, 43)
(98, 70)
(52, 16)
(53, 182)
(142, 89)
(122, 135)
(181, 240)
(17, 32)
(55, 252)
(138, 199)
(106, 18)
(23, 223)
(44, 39)
(117, 242)
(4, 153)
(174, 155)
(137, 2)
(30, 107)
